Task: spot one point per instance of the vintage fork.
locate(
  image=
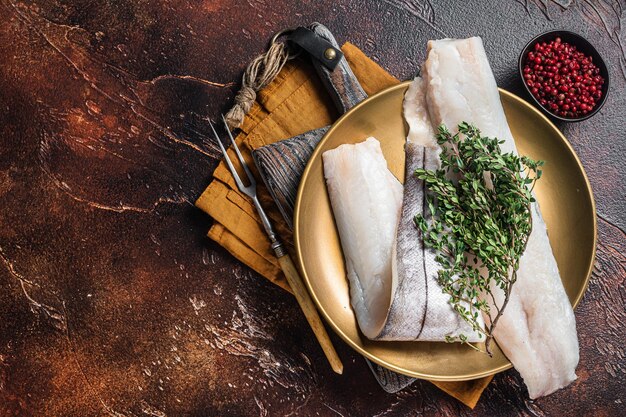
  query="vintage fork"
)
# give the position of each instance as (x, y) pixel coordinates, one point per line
(286, 264)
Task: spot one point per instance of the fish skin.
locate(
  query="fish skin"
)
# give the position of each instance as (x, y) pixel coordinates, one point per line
(419, 309)
(537, 331)
(407, 314)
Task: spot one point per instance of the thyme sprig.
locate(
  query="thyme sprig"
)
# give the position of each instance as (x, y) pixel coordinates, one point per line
(479, 223)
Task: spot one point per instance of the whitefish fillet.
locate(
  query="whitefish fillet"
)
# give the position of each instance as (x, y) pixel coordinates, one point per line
(365, 198)
(537, 331)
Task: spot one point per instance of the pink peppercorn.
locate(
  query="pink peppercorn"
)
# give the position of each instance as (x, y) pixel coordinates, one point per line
(563, 79)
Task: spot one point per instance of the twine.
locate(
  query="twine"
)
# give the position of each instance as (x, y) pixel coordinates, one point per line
(260, 72)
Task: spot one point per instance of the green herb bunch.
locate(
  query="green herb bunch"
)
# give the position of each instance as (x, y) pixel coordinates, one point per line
(479, 224)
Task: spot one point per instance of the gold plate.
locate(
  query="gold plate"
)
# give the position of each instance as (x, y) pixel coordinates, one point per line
(564, 194)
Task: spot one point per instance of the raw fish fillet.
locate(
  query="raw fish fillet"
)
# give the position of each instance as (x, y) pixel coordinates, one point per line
(419, 310)
(537, 331)
(365, 198)
(393, 287)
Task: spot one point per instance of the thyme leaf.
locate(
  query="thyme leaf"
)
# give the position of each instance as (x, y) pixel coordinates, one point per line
(479, 223)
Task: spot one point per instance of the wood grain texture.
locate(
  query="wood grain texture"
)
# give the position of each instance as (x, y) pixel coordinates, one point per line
(341, 83)
(281, 164)
(114, 303)
(310, 312)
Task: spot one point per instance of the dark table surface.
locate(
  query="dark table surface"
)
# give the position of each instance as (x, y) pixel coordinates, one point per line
(113, 301)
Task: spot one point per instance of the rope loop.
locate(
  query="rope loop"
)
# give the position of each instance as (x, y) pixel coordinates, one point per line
(260, 72)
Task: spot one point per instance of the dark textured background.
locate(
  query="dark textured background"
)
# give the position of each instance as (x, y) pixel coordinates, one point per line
(113, 302)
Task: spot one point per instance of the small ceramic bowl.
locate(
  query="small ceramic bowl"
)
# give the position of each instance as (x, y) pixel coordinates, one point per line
(582, 45)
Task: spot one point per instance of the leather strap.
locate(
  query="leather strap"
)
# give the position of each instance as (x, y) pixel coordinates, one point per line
(318, 47)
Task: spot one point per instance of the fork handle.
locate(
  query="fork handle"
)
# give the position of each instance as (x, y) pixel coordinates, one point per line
(310, 312)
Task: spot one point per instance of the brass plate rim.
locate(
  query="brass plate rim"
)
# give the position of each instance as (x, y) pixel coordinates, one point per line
(326, 315)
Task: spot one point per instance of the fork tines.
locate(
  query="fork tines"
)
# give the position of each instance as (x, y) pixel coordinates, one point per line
(249, 190)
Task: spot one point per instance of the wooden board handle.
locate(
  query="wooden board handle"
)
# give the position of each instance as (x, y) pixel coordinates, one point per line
(344, 88)
(310, 312)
